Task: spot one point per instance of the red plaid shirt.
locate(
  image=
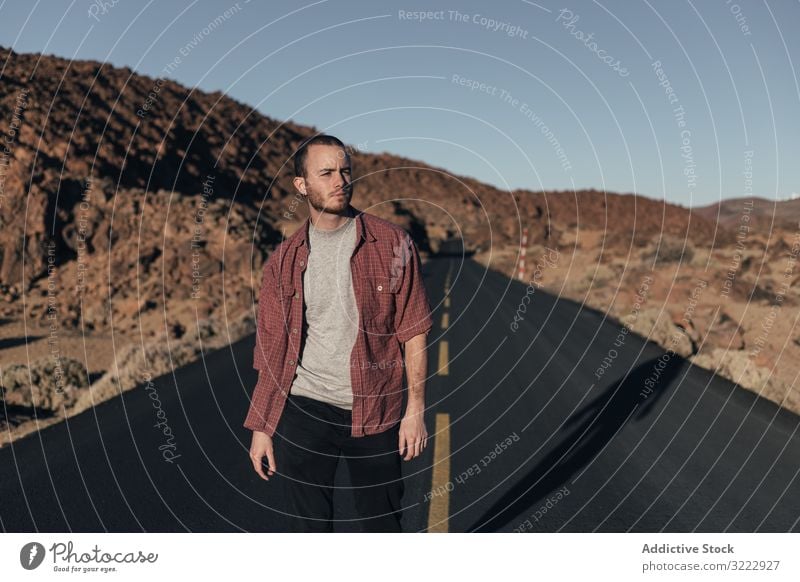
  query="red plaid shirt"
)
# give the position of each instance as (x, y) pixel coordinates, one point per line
(392, 307)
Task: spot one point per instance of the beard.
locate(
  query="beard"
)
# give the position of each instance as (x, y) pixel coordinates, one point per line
(323, 202)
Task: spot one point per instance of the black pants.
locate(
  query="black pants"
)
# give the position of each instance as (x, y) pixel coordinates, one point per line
(309, 438)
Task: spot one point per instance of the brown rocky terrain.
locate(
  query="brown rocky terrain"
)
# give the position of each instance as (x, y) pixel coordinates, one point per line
(136, 215)
(764, 215)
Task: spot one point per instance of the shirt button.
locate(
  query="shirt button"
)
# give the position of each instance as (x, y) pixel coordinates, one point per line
(302, 263)
(291, 362)
(294, 330)
(380, 287)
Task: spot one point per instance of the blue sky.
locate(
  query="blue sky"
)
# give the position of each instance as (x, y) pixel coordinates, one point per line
(514, 93)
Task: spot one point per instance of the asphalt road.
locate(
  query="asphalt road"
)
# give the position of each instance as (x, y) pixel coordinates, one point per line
(530, 439)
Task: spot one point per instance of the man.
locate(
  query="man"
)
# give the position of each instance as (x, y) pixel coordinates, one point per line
(342, 310)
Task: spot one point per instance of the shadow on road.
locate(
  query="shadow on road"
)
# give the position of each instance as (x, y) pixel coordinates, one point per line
(591, 429)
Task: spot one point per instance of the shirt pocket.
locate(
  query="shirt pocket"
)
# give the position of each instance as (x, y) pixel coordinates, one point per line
(380, 303)
(279, 309)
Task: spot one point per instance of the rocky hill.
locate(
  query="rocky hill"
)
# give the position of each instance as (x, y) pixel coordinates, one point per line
(762, 214)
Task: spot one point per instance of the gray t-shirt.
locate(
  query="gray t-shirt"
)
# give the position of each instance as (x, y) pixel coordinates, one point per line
(330, 317)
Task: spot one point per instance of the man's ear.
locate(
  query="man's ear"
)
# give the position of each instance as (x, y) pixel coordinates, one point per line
(300, 184)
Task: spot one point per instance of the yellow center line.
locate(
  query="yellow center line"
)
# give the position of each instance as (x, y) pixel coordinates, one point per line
(439, 511)
(444, 358)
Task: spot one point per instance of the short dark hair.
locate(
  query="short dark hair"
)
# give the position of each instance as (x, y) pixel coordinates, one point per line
(302, 152)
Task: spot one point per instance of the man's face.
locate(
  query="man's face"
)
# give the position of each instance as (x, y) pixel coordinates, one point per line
(327, 182)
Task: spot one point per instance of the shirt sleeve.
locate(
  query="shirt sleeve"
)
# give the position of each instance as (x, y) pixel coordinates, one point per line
(413, 314)
(267, 286)
(257, 415)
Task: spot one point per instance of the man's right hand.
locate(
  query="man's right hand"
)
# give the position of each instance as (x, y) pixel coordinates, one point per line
(260, 447)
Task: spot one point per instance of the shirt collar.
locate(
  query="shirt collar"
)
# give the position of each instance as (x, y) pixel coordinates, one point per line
(362, 229)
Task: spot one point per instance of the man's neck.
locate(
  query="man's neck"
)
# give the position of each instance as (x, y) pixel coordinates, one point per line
(329, 221)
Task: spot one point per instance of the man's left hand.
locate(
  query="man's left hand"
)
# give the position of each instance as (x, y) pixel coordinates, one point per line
(413, 435)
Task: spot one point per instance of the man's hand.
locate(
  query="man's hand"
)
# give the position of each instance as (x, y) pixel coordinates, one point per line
(413, 435)
(260, 447)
